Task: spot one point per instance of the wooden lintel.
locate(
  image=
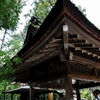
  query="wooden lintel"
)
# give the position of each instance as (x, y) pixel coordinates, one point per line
(47, 50)
(85, 77)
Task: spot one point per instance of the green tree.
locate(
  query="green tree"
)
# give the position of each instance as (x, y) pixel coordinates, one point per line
(85, 93)
(41, 8)
(9, 16)
(9, 13)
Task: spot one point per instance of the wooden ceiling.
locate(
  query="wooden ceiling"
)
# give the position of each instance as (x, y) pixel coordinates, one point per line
(42, 56)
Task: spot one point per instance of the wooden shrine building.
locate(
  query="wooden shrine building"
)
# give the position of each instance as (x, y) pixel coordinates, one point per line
(66, 47)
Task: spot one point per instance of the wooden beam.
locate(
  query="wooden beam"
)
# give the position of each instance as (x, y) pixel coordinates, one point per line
(66, 65)
(85, 77)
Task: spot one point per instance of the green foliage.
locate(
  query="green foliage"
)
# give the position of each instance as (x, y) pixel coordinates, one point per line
(6, 69)
(9, 17)
(13, 85)
(11, 48)
(41, 8)
(14, 44)
(16, 60)
(86, 94)
(9, 13)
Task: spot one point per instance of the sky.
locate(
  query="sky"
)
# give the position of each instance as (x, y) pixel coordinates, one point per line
(92, 10)
(25, 10)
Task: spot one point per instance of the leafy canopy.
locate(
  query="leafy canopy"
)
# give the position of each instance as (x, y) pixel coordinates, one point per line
(9, 17)
(9, 13)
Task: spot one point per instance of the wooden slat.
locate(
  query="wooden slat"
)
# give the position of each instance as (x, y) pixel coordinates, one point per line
(53, 45)
(84, 60)
(84, 45)
(36, 57)
(48, 50)
(51, 54)
(91, 49)
(72, 36)
(55, 40)
(77, 41)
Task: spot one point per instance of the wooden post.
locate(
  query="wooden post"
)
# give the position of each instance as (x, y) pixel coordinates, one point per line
(31, 92)
(78, 94)
(50, 95)
(68, 80)
(77, 91)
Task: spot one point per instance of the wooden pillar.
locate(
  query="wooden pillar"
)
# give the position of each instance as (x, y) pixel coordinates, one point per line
(31, 92)
(68, 80)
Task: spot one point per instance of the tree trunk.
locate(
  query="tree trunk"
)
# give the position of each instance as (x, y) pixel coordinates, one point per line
(5, 31)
